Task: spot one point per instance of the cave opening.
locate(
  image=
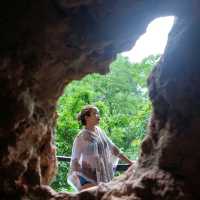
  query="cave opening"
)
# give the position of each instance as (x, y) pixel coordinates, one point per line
(47, 44)
(121, 96)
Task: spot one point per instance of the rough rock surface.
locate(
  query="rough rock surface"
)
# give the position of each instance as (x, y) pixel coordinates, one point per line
(46, 44)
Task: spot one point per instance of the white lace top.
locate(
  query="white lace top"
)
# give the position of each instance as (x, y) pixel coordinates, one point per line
(94, 157)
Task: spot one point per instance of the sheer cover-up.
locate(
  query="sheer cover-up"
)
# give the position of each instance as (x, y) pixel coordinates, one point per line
(94, 157)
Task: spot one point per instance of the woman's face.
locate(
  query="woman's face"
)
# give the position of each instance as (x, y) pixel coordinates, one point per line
(94, 117)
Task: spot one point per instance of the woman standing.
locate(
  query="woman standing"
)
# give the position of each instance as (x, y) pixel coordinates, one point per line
(94, 156)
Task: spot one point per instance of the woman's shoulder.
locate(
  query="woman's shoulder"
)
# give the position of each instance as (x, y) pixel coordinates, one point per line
(99, 129)
(81, 135)
(104, 136)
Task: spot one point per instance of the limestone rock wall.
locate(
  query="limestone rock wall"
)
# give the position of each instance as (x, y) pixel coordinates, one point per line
(46, 44)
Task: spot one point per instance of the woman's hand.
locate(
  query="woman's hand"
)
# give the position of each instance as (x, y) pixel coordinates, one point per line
(130, 162)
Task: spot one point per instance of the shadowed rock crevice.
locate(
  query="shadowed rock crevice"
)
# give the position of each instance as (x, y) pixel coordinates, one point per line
(46, 44)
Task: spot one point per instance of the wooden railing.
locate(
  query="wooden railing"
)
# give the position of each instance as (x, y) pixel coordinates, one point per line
(120, 167)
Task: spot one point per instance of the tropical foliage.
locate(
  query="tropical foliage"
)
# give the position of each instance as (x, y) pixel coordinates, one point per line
(122, 99)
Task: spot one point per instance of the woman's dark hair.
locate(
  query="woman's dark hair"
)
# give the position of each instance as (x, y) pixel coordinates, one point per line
(85, 112)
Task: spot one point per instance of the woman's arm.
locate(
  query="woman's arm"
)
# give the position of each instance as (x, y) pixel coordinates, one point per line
(115, 150)
(120, 155)
(124, 158)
